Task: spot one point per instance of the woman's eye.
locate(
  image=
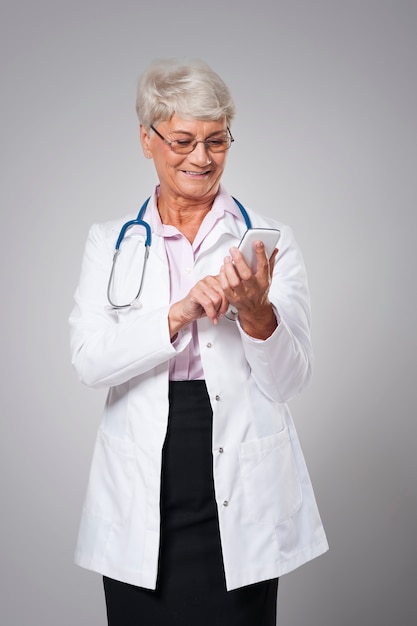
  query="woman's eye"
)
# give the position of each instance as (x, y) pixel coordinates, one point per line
(183, 142)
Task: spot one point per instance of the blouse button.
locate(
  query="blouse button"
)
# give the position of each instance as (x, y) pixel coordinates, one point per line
(221, 450)
(209, 345)
(226, 503)
(217, 398)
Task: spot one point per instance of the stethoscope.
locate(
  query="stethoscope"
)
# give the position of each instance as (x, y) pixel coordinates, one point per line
(139, 221)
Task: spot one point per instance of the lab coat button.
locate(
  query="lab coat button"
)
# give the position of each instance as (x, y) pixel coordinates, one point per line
(209, 345)
(221, 450)
(217, 398)
(226, 503)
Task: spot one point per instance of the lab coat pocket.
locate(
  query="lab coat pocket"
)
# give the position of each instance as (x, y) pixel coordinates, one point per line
(110, 485)
(271, 484)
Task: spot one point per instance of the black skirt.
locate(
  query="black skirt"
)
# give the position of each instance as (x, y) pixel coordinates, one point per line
(191, 588)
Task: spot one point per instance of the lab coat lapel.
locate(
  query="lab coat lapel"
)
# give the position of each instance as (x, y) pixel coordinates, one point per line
(228, 232)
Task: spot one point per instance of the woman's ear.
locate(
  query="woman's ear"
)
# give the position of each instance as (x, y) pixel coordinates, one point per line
(145, 140)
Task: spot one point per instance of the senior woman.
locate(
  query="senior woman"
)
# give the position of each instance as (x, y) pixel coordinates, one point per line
(198, 498)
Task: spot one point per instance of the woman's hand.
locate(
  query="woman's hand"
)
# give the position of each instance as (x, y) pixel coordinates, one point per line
(248, 292)
(206, 298)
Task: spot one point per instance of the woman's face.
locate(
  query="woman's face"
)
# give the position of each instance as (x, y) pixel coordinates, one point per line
(195, 176)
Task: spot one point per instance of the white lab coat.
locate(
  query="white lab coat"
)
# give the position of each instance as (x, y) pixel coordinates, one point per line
(268, 518)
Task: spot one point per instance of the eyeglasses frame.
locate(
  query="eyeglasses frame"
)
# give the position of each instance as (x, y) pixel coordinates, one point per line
(204, 141)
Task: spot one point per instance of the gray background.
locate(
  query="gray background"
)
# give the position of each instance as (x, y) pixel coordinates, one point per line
(326, 141)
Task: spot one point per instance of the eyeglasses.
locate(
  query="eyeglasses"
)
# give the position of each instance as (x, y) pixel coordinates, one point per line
(185, 145)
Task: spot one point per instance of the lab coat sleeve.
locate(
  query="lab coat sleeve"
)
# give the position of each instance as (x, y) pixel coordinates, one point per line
(110, 347)
(281, 365)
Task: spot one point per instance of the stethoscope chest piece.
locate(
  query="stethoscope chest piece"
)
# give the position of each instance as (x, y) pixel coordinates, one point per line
(231, 314)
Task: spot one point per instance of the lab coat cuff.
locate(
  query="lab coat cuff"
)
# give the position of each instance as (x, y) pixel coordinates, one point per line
(182, 339)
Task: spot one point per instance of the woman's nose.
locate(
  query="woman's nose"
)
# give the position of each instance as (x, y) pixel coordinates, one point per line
(200, 155)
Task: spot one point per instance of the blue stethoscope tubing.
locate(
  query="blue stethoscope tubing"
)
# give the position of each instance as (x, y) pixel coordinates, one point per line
(139, 221)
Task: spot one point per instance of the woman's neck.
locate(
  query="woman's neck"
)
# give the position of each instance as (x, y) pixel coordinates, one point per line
(186, 216)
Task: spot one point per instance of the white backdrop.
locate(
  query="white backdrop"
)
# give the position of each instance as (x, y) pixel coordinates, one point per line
(326, 141)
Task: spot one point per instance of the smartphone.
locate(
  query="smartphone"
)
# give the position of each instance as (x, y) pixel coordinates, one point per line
(269, 236)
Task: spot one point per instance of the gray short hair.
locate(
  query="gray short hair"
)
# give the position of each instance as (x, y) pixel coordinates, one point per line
(191, 89)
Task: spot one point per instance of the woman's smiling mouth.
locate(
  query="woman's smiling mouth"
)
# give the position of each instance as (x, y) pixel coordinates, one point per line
(195, 174)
